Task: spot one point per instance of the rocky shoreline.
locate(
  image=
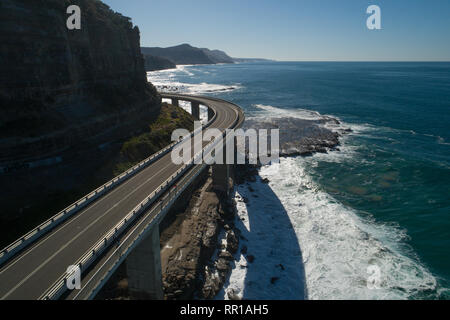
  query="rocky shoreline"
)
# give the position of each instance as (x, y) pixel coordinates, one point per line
(195, 262)
(200, 241)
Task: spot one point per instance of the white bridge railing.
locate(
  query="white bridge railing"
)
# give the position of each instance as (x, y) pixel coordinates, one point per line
(24, 241)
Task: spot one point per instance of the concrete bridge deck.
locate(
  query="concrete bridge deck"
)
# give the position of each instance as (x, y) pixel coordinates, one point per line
(34, 270)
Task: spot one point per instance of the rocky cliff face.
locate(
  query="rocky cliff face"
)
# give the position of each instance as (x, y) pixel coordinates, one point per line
(68, 100)
(60, 88)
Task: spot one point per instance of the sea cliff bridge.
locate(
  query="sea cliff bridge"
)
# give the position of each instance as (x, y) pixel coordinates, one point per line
(118, 221)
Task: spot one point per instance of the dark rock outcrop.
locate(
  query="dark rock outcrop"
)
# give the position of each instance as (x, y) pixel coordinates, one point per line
(182, 54)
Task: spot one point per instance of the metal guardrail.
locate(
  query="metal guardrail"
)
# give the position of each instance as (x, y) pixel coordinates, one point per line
(60, 287)
(29, 238)
(89, 257)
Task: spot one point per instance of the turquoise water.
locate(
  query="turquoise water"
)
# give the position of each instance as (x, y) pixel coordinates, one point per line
(397, 169)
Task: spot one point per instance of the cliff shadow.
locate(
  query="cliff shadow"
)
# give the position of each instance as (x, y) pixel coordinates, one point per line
(269, 263)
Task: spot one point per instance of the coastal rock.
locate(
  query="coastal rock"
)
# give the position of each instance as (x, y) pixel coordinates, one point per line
(301, 136)
(232, 242)
(68, 98)
(223, 265)
(189, 243)
(232, 295)
(211, 286)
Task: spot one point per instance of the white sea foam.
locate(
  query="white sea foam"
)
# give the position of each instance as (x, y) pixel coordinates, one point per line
(336, 243)
(274, 112)
(164, 81)
(302, 237)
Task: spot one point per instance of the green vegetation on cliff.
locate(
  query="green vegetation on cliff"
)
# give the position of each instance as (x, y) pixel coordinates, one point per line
(159, 136)
(67, 183)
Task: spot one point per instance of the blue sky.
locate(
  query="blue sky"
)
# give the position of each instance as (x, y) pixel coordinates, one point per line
(412, 30)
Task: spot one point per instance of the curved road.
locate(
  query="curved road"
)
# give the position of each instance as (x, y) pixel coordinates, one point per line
(34, 270)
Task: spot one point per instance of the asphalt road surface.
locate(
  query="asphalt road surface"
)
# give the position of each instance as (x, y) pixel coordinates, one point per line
(35, 270)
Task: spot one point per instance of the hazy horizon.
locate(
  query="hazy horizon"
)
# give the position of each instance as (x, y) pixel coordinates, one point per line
(297, 30)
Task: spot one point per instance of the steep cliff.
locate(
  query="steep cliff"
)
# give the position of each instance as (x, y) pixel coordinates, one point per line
(218, 56)
(153, 63)
(182, 54)
(69, 99)
(187, 54)
(60, 88)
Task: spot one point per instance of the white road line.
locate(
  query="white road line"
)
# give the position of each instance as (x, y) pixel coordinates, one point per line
(76, 237)
(69, 222)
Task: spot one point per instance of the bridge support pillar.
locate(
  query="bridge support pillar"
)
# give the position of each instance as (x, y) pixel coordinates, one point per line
(175, 102)
(210, 114)
(221, 177)
(195, 110)
(144, 269)
(222, 173)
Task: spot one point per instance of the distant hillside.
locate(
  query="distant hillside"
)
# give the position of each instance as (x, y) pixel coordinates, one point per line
(153, 63)
(185, 54)
(167, 58)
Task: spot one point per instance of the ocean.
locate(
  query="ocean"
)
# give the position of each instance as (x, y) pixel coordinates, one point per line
(378, 207)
